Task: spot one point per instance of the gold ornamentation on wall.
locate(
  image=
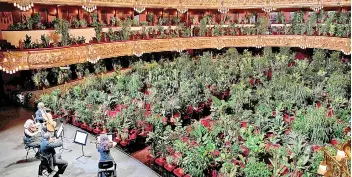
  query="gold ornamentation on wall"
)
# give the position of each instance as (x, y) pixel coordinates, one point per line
(202, 4)
(49, 58)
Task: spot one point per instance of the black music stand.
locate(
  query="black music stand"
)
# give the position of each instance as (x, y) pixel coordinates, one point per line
(61, 134)
(81, 139)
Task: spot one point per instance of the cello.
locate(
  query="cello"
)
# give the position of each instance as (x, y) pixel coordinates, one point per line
(50, 123)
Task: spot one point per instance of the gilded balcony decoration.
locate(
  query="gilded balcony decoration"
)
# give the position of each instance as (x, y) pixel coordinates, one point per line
(206, 4)
(13, 61)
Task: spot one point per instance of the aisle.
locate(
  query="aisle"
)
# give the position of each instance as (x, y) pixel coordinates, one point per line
(12, 152)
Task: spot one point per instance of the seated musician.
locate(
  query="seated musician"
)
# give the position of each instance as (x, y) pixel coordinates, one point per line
(104, 148)
(47, 149)
(38, 114)
(30, 132)
(42, 116)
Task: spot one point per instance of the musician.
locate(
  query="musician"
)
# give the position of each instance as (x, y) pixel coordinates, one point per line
(30, 132)
(104, 148)
(42, 116)
(47, 148)
(38, 114)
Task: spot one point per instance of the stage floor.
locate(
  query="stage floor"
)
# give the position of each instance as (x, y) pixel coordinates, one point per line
(12, 152)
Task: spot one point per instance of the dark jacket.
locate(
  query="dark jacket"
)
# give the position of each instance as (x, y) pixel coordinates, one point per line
(47, 149)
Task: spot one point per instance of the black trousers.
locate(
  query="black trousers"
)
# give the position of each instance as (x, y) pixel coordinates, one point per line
(61, 164)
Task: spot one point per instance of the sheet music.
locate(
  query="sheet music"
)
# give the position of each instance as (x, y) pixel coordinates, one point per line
(58, 134)
(81, 138)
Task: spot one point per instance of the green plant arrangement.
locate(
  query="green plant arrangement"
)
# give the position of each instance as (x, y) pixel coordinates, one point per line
(61, 27)
(45, 40)
(40, 78)
(76, 23)
(27, 42)
(252, 115)
(83, 23)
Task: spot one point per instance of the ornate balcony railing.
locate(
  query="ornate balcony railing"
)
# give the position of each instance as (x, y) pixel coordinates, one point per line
(12, 61)
(203, 4)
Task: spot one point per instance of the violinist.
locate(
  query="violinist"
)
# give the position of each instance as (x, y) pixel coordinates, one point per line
(30, 132)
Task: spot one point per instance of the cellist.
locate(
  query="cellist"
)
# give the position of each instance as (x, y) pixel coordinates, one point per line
(42, 116)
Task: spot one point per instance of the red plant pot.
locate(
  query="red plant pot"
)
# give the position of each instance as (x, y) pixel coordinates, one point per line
(269, 134)
(204, 122)
(177, 155)
(185, 139)
(97, 130)
(187, 175)
(147, 106)
(291, 119)
(334, 142)
(267, 146)
(286, 118)
(315, 148)
(160, 161)
(216, 153)
(245, 151)
(117, 138)
(149, 128)
(276, 146)
(84, 126)
(288, 131)
(89, 128)
(169, 167)
(179, 172)
(143, 134)
(285, 171)
(252, 81)
(76, 123)
(124, 143)
(164, 120)
(244, 124)
(330, 112)
(273, 113)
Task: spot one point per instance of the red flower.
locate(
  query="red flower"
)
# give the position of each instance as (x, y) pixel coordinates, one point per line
(334, 142)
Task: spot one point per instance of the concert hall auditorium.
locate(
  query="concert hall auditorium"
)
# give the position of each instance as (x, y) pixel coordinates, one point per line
(175, 88)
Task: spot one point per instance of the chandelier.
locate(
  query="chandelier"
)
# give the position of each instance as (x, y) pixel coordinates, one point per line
(317, 7)
(88, 6)
(268, 7)
(23, 5)
(222, 9)
(10, 65)
(182, 9)
(137, 7)
(92, 55)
